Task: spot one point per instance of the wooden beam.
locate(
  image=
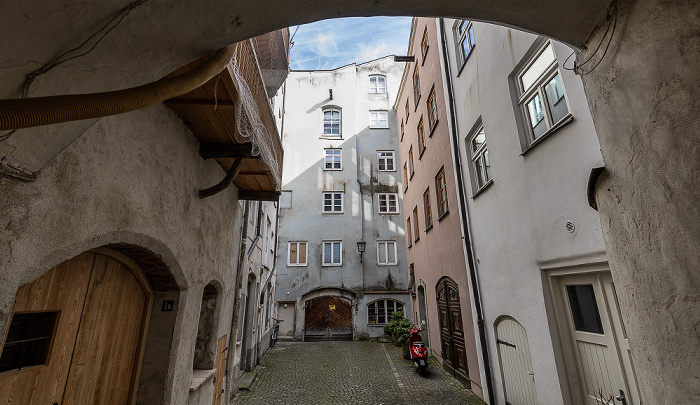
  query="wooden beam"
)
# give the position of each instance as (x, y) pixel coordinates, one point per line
(223, 184)
(226, 150)
(258, 195)
(201, 104)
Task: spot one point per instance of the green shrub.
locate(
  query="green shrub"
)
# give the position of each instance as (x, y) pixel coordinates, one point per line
(398, 325)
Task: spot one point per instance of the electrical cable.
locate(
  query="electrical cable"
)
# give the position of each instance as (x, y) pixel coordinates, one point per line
(612, 15)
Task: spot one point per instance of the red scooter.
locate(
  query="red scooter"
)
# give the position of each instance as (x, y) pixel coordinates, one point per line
(418, 351)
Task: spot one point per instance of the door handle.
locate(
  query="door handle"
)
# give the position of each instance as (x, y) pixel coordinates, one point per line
(621, 397)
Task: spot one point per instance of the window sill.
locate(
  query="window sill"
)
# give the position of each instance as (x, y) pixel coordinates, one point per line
(371, 127)
(430, 135)
(428, 228)
(409, 246)
(387, 264)
(411, 178)
(332, 265)
(555, 128)
(415, 107)
(386, 171)
(297, 265)
(484, 187)
(444, 214)
(388, 213)
(199, 377)
(333, 170)
(420, 155)
(332, 213)
(415, 241)
(331, 137)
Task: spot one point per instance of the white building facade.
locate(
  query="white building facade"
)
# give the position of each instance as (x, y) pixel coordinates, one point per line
(526, 145)
(341, 195)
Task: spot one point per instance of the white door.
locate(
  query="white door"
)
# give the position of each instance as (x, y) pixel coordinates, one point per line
(514, 352)
(597, 342)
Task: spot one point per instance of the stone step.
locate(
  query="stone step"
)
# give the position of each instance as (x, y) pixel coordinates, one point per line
(246, 380)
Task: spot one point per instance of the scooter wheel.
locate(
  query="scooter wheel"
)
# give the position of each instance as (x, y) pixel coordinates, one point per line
(423, 372)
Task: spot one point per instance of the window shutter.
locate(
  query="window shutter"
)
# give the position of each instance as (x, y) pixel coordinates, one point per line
(336, 252)
(381, 252)
(391, 252)
(293, 253)
(327, 252)
(302, 253)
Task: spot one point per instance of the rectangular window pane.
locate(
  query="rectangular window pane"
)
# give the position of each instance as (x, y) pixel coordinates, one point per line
(555, 98)
(584, 309)
(536, 114)
(293, 253)
(381, 252)
(336, 253)
(538, 67)
(391, 252)
(372, 313)
(302, 253)
(327, 248)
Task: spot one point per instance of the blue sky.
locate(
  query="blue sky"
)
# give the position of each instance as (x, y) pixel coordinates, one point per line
(333, 43)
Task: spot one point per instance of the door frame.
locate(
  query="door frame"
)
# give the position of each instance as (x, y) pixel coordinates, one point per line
(561, 317)
(453, 365)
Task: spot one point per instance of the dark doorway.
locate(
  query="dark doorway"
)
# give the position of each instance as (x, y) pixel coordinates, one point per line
(454, 354)
(328, 318)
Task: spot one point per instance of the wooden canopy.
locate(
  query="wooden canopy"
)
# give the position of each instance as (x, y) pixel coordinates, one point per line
(210, 113)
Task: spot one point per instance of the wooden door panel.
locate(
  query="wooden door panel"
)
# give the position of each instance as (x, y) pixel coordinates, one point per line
(63, 289)
(220, 368)
(328, 318)
(106, 348)
(451, 330)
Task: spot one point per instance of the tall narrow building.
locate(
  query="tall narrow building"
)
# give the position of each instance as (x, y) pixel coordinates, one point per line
(341, 257)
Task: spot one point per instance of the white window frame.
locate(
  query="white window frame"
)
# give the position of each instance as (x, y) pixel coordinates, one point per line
(479, 160)
(376, 120)
(538, 89)
(331, 122)
(306, 254)
(332, 155)
(386, 156)
(387, 244)
(465, 35)
(386, 314)
(387, 197)
(331, 263)
(377, 84)
(333, 200)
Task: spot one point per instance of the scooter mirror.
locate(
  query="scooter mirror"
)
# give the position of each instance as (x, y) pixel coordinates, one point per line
(422, 322)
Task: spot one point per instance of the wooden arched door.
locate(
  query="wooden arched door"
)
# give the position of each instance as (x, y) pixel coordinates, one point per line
(454, 354)
(77, 334)
(328, 318)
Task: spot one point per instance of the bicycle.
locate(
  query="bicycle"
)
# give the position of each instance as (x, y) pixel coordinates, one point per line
(275, 332)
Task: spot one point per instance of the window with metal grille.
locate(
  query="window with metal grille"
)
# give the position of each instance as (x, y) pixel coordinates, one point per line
(333, 253)
(379, 312)
(333, 159)
(388, 203)
(28, 341)
(297, 254)
(385, 161)
(386, 253)
(333, 202)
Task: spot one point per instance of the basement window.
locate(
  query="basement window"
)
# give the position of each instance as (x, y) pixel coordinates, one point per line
(28, 340)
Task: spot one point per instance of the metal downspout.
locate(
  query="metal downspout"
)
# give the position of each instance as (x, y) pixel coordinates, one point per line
(465, 220)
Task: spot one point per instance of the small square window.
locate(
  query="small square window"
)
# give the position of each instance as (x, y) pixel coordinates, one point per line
(333, 253)
(297, 254)
(378, 119)
(388, 203)
(333, 159)
(28, 340)
(385, 161)
(386, 253)
(333, 202)
(377, 84)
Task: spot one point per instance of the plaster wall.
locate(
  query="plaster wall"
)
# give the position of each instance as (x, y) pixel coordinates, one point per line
(304, 175)
(518, 223)
(646, 114)
(438, 250)
(132, 179)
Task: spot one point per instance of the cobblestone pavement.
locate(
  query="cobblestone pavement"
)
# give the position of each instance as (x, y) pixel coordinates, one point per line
(349, 373)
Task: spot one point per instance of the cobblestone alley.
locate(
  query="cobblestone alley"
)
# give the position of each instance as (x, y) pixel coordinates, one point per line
(349, 373)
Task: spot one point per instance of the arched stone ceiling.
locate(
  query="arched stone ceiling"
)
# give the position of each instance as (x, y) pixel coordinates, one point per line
(158, 36)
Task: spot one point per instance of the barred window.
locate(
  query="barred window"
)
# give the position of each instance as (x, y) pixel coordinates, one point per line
(379, 312)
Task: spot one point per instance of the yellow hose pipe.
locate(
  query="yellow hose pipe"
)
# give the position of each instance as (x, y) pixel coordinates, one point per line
(33, 112)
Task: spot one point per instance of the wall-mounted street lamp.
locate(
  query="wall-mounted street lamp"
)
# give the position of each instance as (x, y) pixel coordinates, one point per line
(361, 245)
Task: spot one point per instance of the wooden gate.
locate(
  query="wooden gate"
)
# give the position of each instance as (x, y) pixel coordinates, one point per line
(90, 316)
(328, 318)
(220, 369)
(454, 354)
(516, 363)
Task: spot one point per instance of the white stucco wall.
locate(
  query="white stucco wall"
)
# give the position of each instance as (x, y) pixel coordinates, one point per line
(307, 95)
(518, 222)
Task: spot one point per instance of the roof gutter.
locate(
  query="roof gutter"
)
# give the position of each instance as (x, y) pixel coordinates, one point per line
(464, 212)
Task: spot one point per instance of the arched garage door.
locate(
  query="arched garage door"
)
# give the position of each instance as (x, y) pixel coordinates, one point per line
(76, 335)
(328, 318)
